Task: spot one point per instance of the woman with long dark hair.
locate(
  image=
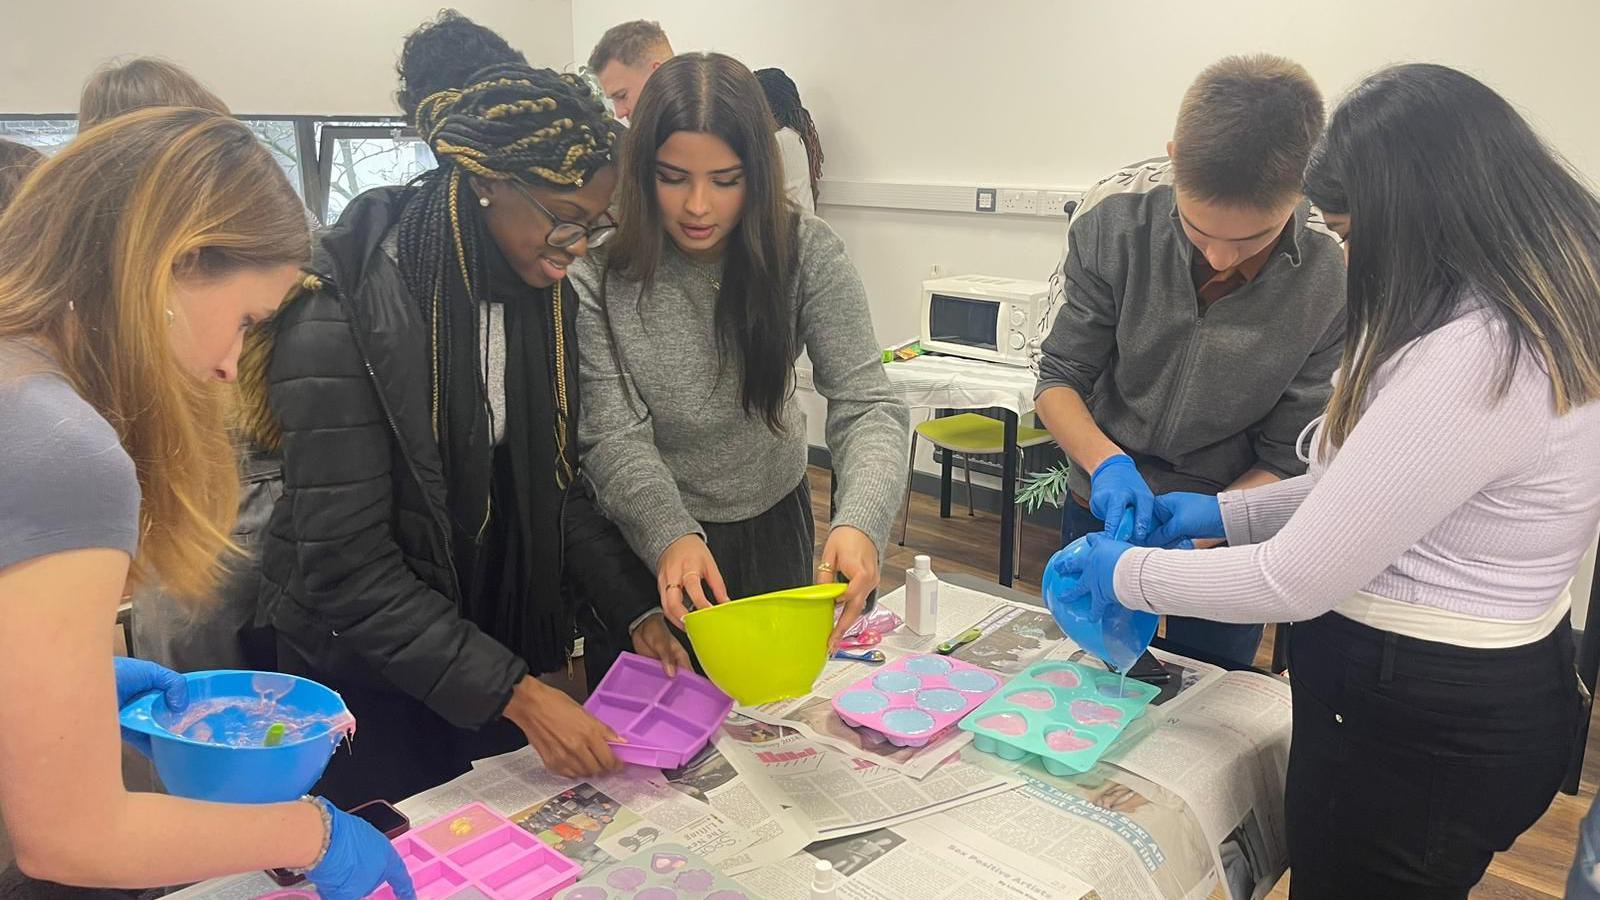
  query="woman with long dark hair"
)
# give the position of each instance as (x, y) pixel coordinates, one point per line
(1452, 492)
(435, 548)
(689, 327)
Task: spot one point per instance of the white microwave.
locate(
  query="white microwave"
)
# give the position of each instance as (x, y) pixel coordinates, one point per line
(982, 316)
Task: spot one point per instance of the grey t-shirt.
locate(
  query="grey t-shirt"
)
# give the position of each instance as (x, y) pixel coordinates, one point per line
(65, 481)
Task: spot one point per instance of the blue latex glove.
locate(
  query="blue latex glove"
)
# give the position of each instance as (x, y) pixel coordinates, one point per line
(139, 676)
(1095, 567)
(1117, 490)
(1181, 516)
(359, 861)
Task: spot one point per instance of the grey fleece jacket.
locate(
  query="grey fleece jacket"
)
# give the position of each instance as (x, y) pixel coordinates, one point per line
(664, 438)
(1197, 399)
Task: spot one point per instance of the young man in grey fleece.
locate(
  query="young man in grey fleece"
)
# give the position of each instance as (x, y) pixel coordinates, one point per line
(1198, 315)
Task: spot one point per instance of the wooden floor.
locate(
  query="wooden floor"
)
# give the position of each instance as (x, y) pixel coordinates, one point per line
(1534, 869)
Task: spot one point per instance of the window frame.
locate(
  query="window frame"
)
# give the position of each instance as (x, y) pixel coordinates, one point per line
(314, 141)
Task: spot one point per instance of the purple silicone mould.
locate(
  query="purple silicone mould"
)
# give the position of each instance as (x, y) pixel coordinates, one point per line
(502, 863)
(665, 721)
(913, 699)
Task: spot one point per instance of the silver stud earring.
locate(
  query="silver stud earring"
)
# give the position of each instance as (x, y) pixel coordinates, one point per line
(483, 202)
(171, 316)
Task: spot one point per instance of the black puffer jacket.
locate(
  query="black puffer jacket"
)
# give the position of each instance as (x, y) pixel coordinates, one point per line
(357, 568)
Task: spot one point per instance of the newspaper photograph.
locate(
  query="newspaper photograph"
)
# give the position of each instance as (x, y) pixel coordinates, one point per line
(1014, 638)
(840, 795)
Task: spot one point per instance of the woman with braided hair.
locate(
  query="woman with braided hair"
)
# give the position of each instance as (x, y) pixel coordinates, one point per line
(798, 141)
(690, 325)
(434, 548)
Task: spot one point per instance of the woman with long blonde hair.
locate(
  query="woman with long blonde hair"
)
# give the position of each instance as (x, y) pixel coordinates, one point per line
(1452, 492)
(131, 265)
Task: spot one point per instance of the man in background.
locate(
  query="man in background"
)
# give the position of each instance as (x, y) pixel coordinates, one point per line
(626, 57)
(1199, 315)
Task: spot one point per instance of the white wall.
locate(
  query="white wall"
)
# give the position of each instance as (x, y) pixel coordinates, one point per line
(280, 57)
(1028, 92)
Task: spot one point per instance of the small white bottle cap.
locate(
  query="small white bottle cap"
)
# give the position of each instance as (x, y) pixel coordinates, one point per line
(923, 564)
(822, 879)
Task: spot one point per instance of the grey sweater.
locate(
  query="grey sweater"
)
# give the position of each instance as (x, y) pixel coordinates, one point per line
(1197, 399)
(665, 440)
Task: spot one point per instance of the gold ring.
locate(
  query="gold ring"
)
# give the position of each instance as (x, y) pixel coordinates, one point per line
(824, 567)
(690, 575)
(674, 587)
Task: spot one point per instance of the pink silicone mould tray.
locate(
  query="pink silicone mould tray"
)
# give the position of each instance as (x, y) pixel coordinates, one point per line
(665, 721)
(475, 853)
(914, 698)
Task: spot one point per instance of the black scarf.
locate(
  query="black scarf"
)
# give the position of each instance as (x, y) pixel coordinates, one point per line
(506, 502)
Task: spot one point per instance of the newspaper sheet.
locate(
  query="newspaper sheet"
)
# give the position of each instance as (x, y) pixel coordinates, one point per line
(838, 794)
(1014, 637)
(1225, 750)
(1106, 834)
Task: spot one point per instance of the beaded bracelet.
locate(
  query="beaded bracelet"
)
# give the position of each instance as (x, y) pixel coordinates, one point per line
(327, 829)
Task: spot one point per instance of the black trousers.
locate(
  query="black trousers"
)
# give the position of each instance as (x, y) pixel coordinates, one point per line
(771, 551)
(1413, 762)
(401, 747)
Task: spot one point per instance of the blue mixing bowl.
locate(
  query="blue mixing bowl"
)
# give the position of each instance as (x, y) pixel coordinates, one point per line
(221, 756)
(1117, 635)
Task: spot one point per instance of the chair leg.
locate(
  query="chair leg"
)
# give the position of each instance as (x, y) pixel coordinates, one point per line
(1016, 543)
(966, 472)
(911, 470)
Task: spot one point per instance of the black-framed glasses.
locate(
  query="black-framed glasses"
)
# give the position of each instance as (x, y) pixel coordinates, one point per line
(564, 234)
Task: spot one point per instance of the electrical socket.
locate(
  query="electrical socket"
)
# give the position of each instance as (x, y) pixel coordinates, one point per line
(1022, 203)
(985, 203)
(1053, 203)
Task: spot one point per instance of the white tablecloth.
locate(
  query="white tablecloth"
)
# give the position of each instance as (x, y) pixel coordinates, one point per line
(948, 382)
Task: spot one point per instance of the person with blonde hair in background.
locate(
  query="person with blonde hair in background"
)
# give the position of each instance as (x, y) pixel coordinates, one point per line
(625, 58)
(131, 265)
(144, 81)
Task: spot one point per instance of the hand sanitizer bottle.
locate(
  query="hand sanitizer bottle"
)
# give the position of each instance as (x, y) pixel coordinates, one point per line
(922, 597)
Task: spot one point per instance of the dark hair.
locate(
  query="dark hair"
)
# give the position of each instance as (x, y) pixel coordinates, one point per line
(1244, 131)
(16, 161)
(630, 44)
(139, 83)
(443, 53)
(715, 94)
(1451, 195)
(485, 118)
(787, 110)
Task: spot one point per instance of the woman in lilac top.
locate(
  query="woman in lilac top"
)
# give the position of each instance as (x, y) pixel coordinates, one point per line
(1452, 492)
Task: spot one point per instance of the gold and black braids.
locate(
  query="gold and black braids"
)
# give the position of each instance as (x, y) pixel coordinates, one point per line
(510, 122)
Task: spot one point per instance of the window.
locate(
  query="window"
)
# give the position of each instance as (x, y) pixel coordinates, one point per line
(47, 135)
(357, 157)
(282, 137)
(329, 161)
